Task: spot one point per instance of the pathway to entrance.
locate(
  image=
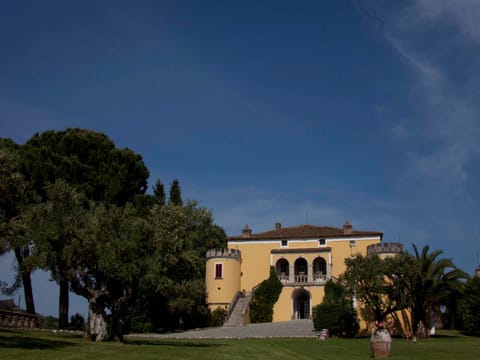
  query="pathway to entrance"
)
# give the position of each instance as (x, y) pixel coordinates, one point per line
(286, 329)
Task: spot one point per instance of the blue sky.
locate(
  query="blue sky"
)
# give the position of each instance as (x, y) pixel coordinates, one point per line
(266, 111)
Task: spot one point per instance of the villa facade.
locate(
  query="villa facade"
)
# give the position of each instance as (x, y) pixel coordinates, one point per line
(304, 258)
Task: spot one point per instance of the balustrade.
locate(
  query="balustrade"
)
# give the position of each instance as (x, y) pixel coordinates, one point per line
(17, 320)
(303, 279)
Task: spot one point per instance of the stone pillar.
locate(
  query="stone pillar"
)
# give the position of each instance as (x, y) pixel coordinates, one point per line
(309, 272)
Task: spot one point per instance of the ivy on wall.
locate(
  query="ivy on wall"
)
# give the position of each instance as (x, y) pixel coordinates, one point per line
(264, 298)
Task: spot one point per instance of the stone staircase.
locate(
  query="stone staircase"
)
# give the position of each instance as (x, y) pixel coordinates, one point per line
(239, 314)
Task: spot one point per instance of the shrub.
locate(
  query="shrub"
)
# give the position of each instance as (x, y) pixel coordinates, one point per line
(260, 311)
(217, 317)
(470, 307)
(264, 298)
(77, 322)
(339, 319)
(47, 322)
(335, 293)
(336, 313)
(140, 323)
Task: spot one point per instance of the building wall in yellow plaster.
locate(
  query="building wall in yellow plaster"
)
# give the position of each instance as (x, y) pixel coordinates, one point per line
(341, 250)
(302, 244)
(282, 309)
(255, 262)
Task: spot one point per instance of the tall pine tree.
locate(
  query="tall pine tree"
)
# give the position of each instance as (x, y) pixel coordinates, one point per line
(175, 194)
(159, 192)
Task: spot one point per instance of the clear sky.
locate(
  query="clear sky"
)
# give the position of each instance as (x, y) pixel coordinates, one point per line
(266, 111)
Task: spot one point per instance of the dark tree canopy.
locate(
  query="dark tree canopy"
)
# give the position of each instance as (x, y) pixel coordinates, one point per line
(12, 184)
(87, 160)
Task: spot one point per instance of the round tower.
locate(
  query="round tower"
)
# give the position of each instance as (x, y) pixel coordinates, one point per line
(222, 276)
(384, 250)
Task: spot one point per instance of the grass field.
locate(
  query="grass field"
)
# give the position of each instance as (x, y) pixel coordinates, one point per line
(50, 346)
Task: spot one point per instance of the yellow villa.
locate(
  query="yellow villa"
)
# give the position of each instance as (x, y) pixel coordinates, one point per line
(304, 258)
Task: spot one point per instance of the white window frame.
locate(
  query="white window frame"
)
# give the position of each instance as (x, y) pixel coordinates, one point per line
(215, 270)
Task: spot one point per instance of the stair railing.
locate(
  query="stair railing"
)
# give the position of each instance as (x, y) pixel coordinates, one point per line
(232, 304)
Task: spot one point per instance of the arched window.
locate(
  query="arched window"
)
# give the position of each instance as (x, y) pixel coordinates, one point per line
(301, 270)
(319, 270)
(282, 268)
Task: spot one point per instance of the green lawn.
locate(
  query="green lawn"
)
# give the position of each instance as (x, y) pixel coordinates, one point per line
(49, 346)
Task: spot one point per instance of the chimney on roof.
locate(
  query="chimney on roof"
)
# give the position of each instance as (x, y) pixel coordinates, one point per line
(246, 232)
(347, 228)
(278, 226)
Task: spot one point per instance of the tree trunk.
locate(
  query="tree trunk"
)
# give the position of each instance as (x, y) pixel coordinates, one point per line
(418, 315)
(97, 324)
(117, 328)
(63, 301)
(20, 254)
(28, 292)
(122, 311)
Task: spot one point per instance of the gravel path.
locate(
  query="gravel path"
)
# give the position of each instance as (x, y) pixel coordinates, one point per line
(287, 329)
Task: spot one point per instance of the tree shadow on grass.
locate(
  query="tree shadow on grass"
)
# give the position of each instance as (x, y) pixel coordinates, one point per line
(174, 343)
(477, 334)
(11, 339)
(444, 336)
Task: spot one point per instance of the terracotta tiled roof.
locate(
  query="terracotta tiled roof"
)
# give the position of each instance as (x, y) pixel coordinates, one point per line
(305, 232)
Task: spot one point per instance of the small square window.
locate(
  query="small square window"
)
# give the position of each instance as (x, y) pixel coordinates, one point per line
(352, 243)
(284, 242)
(322, 242)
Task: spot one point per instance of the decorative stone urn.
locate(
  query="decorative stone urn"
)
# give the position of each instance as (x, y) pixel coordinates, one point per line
(381, 344)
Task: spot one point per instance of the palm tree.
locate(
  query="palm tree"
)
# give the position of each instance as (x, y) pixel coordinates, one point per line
(434, 280)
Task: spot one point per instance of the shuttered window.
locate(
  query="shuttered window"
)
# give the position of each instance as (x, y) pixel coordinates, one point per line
(218, 271)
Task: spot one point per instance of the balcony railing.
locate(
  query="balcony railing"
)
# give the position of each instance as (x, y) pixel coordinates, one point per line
(301, 278)
(317, 279)
(320, 278)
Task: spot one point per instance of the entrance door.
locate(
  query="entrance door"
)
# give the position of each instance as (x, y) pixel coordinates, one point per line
(303, 306)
